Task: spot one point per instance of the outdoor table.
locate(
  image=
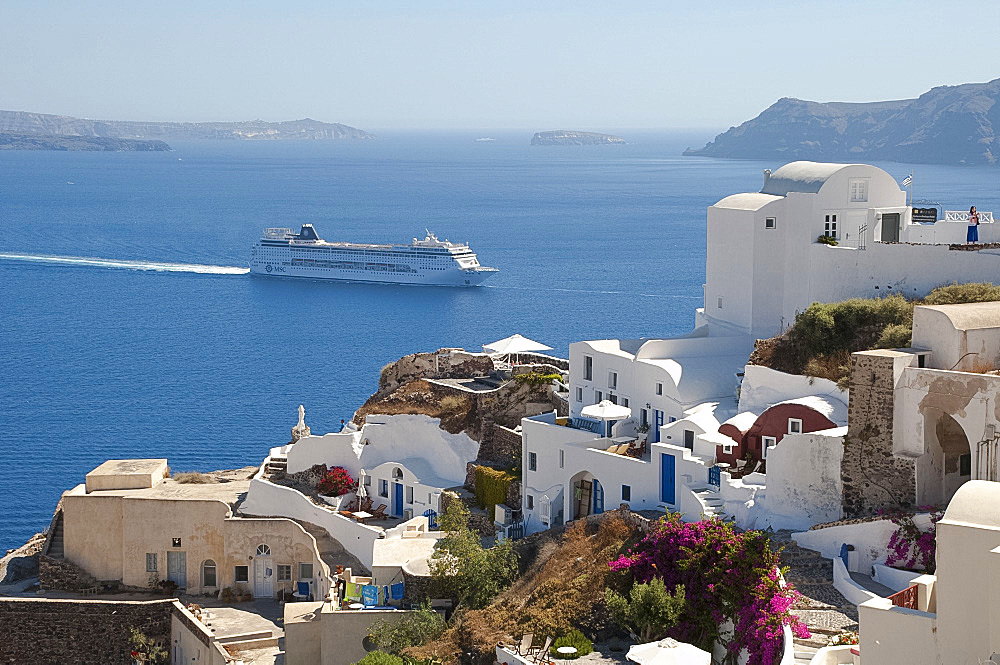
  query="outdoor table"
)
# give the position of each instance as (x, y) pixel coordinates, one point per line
(623, 439)
(361, 516)
(566, 651)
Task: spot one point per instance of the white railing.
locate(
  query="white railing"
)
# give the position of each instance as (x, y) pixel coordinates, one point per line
(278, 233)
(985, 217)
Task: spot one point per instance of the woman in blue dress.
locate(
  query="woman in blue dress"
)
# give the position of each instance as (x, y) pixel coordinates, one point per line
(973, 235)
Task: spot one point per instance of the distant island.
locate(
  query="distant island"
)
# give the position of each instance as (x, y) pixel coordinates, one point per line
(43, 124)
(945, 125)
(566, 137)
(12, 141)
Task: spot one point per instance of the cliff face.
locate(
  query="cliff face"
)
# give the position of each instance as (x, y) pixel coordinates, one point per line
(566, 137)
(945, 125)
(21, 122)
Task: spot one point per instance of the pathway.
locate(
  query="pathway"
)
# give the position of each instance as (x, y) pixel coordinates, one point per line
(822, 608)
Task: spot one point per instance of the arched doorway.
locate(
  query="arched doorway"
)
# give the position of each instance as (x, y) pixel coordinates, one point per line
(397, 492)
(947, 461)
(587, 495)
(263, 573)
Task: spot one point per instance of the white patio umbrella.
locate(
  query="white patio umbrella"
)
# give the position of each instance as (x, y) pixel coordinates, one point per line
(606, 411)
(515, 344)
(362, 492)
(668, 652)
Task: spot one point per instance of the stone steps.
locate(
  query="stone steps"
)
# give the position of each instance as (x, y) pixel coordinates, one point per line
(56, 550)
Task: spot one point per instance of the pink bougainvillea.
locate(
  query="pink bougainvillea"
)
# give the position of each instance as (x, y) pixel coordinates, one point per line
(726, 575)
(908, 546)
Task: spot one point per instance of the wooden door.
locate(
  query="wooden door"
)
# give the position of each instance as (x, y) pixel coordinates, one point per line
(177, 568)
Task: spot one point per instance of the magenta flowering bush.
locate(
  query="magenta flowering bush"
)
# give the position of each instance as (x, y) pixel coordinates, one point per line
(726, 575)
(909, 547)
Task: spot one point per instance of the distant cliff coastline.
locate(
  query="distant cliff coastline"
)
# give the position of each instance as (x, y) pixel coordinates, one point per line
(565, 137)
(12, 141)
(22, 122)
(945, 125)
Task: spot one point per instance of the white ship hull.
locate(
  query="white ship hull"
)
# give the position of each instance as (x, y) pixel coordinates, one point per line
(430, 262)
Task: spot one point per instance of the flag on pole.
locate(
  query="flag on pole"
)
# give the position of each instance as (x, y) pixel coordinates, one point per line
(908, 180)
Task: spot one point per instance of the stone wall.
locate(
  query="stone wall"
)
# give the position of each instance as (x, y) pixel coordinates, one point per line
(499, 444)
(416, 589)
(82, 632)
(873, 478)
(61, 574)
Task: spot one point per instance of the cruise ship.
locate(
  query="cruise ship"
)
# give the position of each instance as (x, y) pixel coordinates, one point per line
(284, 253)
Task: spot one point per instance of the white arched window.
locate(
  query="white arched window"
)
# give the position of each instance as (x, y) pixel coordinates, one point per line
(263, 550)
(208, 578)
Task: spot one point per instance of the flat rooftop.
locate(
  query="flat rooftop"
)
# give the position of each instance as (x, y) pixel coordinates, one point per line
(128, 467)
(171, 490)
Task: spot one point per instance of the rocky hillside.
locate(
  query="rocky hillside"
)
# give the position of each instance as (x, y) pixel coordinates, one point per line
(22, 122)
(945, 125)
(11, 141)
(566, 137)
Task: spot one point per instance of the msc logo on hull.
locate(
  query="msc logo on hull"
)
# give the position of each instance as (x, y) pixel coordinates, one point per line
(269, 268)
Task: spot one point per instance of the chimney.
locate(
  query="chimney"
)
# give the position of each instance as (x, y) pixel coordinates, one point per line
(767, 176)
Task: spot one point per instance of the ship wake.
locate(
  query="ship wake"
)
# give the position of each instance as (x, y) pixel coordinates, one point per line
(154, 266)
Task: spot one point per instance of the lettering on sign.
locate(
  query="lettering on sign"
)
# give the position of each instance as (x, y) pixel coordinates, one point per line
(924, 215)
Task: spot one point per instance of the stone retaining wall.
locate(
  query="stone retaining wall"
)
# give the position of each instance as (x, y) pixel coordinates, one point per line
(62, 574)
(82, 632)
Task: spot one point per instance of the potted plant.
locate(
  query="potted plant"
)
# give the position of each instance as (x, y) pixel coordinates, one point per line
(168, 586)
(242, 593)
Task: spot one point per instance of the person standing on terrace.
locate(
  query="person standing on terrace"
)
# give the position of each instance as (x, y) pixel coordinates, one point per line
(973, 235)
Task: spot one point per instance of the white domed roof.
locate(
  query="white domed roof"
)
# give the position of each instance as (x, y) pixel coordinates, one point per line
(976, 503)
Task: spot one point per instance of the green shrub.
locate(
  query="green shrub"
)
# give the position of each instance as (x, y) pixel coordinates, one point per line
(649, 611)
(536, 378)
(827, 240)
(491, 486)
(895, 336)
(380, 658)
(959, 293)
(575, 639)
(414, 629)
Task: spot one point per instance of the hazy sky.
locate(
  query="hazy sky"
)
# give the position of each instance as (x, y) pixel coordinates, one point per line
(504, 64)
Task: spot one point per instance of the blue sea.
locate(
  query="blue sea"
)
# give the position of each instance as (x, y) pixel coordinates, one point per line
(161, 347)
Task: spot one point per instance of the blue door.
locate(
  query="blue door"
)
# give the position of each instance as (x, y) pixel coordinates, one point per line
(657, 422)
(598, 498)
(397, 500)
(666, 478)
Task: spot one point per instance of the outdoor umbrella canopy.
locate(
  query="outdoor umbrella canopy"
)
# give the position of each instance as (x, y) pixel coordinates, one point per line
(362, 492)
(606, 410)
(668, 652)
(515, 344)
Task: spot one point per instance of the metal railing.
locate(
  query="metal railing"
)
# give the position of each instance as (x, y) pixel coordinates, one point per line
(906, 598)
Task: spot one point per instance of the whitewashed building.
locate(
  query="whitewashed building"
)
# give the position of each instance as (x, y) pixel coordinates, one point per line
(764, 264)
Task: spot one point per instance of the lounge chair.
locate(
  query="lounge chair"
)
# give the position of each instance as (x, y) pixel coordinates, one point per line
(524, 648)
(540, 655)
(379, 513)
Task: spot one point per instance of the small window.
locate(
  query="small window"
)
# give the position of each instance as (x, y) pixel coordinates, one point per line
(305, 571)
(368, 480)
(150, 563)
(830, 226)
(965, 465)
(241, 573)
(659, 388)
(794, 426)
(770, 223)
(383, 487)
(671, 419)
(612, 380)
(626, 493)
(598, 396)
(263, 550)
(208, 577)
(588, 368)
(531, 502)
(727, 448)
(765, 443)
(562, 458)
(175, 542)
(532, 462)
(409, 494)
(579, 394)
(859, 190)
(624, 401)
(689, 439)
(284, 572)
(612, 398)
(720, 302)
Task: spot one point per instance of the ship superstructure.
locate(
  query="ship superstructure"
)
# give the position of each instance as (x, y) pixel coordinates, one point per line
(282, 252)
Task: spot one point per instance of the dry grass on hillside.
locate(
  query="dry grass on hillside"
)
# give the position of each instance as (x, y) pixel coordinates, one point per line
(194, 478)
(421, 397)
(562, 588)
